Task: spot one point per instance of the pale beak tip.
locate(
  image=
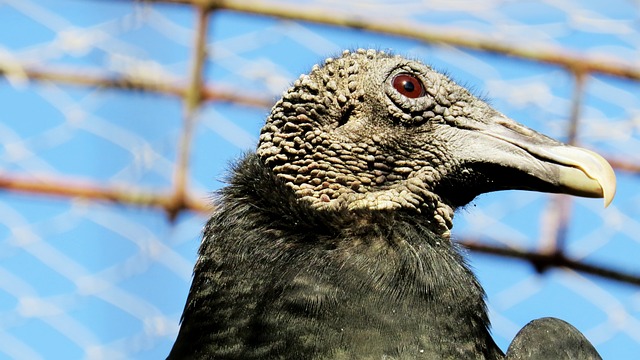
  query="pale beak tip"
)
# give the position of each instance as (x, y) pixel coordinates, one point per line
(609, 188)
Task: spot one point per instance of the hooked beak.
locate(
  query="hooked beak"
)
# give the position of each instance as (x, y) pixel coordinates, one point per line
(547, 165)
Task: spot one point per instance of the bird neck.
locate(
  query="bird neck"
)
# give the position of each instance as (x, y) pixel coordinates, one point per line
(386, 275)
(435, 214)
(411, 195)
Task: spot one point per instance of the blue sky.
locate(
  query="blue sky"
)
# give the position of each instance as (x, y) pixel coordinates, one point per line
(82, 279)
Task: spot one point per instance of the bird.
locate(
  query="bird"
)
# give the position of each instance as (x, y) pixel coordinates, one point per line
(332, 240)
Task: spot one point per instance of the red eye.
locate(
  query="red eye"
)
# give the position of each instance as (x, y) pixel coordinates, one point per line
(408, 86)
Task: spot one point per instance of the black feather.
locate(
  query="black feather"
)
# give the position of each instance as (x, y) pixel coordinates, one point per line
(277, 279)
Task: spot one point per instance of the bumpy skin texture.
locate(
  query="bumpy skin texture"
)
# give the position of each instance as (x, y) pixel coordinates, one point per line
(326, 137)
(332, 240)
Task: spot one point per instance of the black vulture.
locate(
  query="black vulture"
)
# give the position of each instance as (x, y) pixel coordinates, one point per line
(332, 240)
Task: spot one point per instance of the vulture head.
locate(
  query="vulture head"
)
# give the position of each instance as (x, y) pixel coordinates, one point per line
(373, 131)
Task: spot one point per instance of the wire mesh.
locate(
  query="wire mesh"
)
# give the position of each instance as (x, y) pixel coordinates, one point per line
(119, 119)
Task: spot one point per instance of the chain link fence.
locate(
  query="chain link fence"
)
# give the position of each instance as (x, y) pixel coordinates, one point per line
(119, 119)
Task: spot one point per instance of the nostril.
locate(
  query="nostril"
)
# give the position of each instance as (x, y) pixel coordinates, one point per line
(346, 115)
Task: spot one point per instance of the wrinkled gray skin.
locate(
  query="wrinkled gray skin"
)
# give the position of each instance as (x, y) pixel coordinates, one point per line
(332, 241)
(327, 139)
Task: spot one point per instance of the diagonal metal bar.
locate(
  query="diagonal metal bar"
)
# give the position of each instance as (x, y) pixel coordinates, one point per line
(192, 100)
(86, 189)
(574, 62)
(21, 73)
(556, 219)
(544, 261)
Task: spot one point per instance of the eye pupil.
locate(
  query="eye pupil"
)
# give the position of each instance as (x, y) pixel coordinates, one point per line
(408, 85)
